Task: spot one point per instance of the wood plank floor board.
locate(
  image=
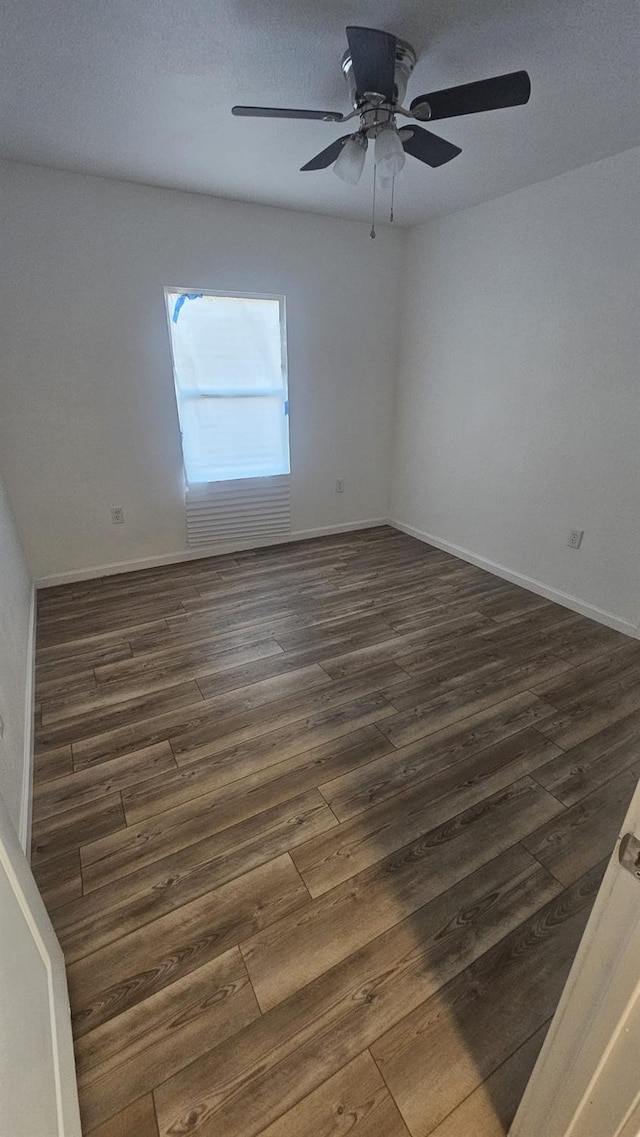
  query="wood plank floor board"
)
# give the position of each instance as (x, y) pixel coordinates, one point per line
(575, 773)
(266, 1069)
(325, 635)
(290, 800)
(146, 724)
(412, 648)
(91, 721)
(241, 587)
(132, 1053)
(583, 718)
(110, 691)
(136, 896)
(618, 665)
(95, 782)
(507, 640)
(215, 620)
(59, 879)
(489, 1109)
(119, 616)
(198, 782)
(362, 840)
(137, 1120)
(110, 696)
(311, 940)
(302, 734)
(231, 730)
(423, 603)
(183, 659)
(121, 592)
(359, 790)
(240, 677)
(116, 596)
(67, 690)
(409, 650)
(610, 694)
(246, 589)
(537, 620)
(418, 613)
(479, 647)
(369, 643)
(51, 764)
(53, 671)
(504, 607)
(49, 650)
(355, 1100)
(73, 828)
(83, 595)
(450, 668)
(374, 601)
(461, 674)
(248, 611)
(81, 685)
(468, 1028)
(586, 646)
(225, 830)
(587, 641)
(578, 838)
(189, 634)
(234, 616)
(426, 718)
(139, 964)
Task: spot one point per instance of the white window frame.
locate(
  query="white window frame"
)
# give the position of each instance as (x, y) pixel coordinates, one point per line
(216, 393)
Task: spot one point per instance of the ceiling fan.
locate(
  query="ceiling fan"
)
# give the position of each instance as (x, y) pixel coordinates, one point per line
(377, 67)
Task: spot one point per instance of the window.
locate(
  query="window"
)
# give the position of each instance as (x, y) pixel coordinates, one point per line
(229, 365)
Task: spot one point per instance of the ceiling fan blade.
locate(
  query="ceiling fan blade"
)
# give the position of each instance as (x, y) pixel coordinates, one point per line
(373, 56)
(510, 90)
(327, 156)
(286, 112)
(428, 147)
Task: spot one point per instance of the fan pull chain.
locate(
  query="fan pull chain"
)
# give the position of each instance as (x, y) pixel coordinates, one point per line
(393, 186)
(373, 215)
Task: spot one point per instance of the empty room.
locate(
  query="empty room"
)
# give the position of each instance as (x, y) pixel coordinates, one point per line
(319, 569)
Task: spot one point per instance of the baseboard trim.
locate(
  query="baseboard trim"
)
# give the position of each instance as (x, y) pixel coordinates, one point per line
(181, 555)
(533, 585)
(26, 802)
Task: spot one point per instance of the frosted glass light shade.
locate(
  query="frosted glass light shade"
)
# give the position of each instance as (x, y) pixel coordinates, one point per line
(350, 161)
(390, 156)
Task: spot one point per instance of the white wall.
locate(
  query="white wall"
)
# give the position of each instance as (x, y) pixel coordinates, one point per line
(16, 662)
(518, 400)
(89, 419)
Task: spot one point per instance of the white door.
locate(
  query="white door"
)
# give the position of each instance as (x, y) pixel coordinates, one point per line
(586, 1082)
(38, 1096)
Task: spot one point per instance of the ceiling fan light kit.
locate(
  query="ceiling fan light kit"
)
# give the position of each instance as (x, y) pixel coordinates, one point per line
(377, 67)
(350, 161)
(389, 152)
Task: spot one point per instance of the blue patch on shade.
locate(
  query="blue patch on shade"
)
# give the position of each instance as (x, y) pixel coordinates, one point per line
(180, 301)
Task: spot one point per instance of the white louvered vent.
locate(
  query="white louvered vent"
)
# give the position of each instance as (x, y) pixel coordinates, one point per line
(238, 510)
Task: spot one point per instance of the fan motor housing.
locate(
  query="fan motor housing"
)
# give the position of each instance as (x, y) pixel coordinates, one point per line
(405, 63)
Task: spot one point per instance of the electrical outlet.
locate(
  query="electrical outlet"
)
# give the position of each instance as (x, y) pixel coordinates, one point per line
(340, 485)
(574, 539)
(117, 515)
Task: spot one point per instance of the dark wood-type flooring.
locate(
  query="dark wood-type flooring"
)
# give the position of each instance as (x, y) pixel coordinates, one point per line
(319, 827)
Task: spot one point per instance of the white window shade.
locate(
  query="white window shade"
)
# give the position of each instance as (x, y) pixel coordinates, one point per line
(229, 363)
(251, 509)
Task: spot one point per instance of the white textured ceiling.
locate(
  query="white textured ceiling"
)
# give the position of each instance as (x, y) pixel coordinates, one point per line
(142, 89)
